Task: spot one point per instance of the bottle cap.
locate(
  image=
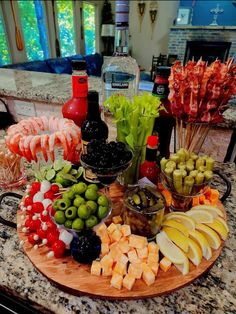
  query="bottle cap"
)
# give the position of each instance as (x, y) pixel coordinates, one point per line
(163, 70)
(93, 96)
(78, 65)
(152, 140)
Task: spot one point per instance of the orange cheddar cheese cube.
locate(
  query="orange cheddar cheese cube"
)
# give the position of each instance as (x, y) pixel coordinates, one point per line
(123, 259)
(114, 250)
(106, 261)
(124, 245)
(125, 229)
(96, 268)
(116, 235)
(142, 253)
(104, 249)
(153, 257)
(101, 229)
(135, 270)
(111, 228)
(133, 257)
(117, 219)
(147, 275)
(128, 281)
(154, 267)
(104, 236)
(120, 268)
(153, 247)
(165, 264)
(116, 280)
(137, 241)
(106, 271)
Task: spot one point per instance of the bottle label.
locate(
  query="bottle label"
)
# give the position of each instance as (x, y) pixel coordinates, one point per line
(117, 80)
(160, 89)
(80, 85)
(88, 174)
(84, 147)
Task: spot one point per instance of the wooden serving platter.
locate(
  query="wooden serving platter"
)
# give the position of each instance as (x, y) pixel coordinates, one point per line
(76, 279)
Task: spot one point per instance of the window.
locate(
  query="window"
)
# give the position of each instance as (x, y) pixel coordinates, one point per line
(4, 52)
(65, 18)
(89, 27)
(34, 29)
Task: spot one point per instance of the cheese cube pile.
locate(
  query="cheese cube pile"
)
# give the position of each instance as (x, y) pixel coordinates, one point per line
(125, 257)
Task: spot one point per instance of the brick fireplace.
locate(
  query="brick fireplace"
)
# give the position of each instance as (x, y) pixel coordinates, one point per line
(180, 35)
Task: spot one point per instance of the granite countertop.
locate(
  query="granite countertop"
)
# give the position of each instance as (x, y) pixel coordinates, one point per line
(56, 89)
(38, 86)
(212, 293)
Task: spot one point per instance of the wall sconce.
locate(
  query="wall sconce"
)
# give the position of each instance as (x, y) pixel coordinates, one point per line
(141, 11)
(153, 10)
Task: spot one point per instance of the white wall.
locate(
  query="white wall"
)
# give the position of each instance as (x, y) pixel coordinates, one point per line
(141, 44)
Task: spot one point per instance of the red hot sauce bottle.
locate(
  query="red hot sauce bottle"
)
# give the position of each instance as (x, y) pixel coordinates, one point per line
(76, 108)
(149, 168)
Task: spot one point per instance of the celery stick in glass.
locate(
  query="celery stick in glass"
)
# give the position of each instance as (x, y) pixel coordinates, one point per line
(199, 178)
(188, 185)
(184, 172)
(177, 180)
(189, 166)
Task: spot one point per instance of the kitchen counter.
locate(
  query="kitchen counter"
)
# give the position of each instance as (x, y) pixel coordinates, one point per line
(56, 89)
(212, 293)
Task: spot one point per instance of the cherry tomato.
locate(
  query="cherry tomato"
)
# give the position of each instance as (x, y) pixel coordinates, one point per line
(37, 207)
(34, 224)
(54, 188)
(58, 248)
(51, 226)
(51, 210)
(52, 236)
(35, 187)
(49, 194)
(28, 201)
(31, 238)
(41, 233)
(27, 222)
(45, 218)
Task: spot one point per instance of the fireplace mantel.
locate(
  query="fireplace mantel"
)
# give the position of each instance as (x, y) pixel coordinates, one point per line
(209, 27)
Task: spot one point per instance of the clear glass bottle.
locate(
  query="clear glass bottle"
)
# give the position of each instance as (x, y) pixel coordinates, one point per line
(120, 73)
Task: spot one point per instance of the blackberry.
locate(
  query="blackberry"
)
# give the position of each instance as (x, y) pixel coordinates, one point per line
(86, 247)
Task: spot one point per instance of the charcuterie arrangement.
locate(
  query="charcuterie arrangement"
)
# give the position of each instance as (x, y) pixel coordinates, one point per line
(116, 213)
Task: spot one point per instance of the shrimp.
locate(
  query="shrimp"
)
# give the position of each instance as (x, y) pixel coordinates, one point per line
(45, 122)
(44, 145)
(14, 143)
(34, 145)
(26, 145)
(61, 137)
(51, 143)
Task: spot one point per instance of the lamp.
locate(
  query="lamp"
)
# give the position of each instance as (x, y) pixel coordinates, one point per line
(141, 11)
(153, 9)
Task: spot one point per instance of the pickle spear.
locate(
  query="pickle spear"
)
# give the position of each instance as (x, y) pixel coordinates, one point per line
(209, 163)
(188, 185)
(163, 163)
(199, 178)
(208, 174)
(177, 180)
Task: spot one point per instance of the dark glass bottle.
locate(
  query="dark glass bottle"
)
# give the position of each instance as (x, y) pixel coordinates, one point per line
(93, 128)
(165, 122)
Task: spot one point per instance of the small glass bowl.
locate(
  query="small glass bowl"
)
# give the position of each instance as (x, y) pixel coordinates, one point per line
(106, 176)
(145, 222)
(76, 232)
(182, 202)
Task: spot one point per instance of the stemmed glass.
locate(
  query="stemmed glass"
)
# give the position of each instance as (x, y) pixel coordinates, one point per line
(106, 176)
